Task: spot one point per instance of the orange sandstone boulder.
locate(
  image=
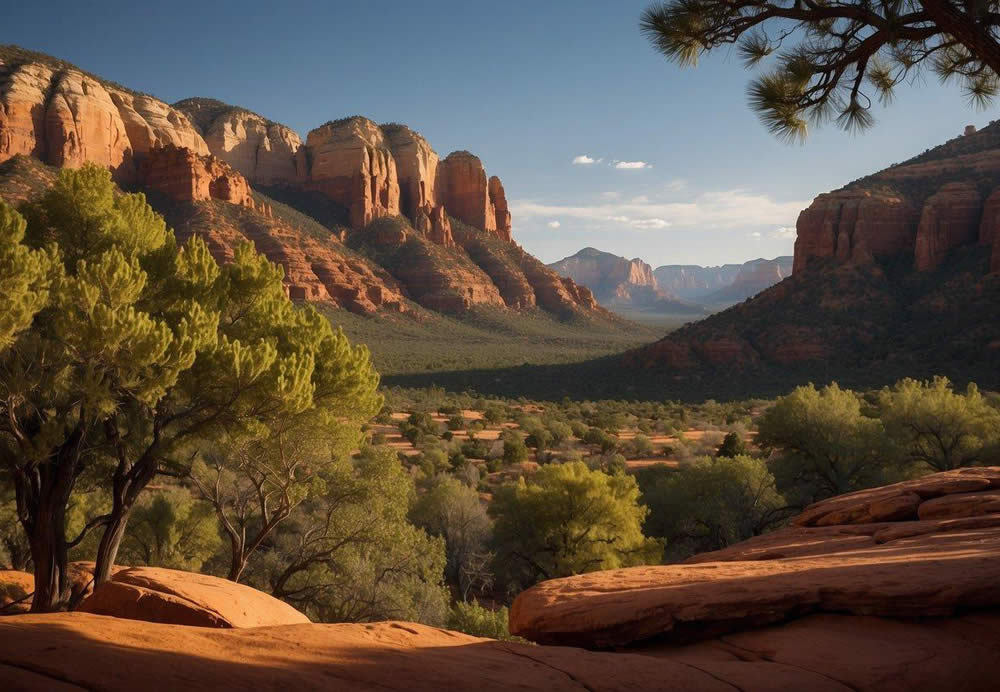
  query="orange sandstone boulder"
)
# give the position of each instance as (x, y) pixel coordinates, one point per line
(467, 194)
(184, 175)
(186, 598)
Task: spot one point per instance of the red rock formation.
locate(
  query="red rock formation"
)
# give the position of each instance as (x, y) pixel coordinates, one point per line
(154, 594)
(897, 567)
(466, 193)
(837, 224)
(67, 118)
(265, 152)
(498, 198)
(950, 218)
(352, 164)
(417, 168)
(184, 175)
(150, 123)
(433, 223)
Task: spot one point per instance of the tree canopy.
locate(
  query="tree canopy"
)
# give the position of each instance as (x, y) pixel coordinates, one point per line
(567, 519)
(833, 59)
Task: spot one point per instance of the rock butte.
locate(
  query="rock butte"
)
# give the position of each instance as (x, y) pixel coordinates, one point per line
(915, 602)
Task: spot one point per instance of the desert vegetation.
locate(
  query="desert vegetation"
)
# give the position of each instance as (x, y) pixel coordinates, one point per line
(158, 409)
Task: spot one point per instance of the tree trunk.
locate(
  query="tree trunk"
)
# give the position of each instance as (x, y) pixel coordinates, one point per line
(48, 552)
(107, 549)
(237, 564)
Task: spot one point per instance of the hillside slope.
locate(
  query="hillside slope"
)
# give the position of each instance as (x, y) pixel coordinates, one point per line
(895, 274)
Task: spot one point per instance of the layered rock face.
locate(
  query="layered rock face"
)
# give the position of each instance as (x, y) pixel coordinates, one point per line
(498, 198)
(68, 118)
(928, 206)
(352, 164)
(186, 176)
(265, 152)
(850, 224)
(463, 188)
(950, 218)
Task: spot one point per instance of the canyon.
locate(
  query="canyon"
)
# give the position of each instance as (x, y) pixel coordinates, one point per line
(388, 203)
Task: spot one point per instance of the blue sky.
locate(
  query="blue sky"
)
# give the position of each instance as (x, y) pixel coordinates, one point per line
(529, 86)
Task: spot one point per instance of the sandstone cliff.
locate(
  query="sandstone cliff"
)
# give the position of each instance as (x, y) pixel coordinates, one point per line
(925, 207)
(265, 152)
(350, 162)
(66, 117)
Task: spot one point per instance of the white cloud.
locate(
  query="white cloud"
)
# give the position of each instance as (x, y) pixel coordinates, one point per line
(553, 224)
(675, 185)
(611, 195)
(641, 199)
(785, 232)
(755, 234)
(632, 165)
(584, 160)
(708, 211)
(647, 224)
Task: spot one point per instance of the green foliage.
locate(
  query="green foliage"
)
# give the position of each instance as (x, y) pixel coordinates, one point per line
(710, 503)
(566, 519)
(514, 450)
(937, 428)
(26, 276)
(452, 510)
(824, 445)
(144, 350)
(477, 621)
(732, 446)
(351, 555)
(170, 528)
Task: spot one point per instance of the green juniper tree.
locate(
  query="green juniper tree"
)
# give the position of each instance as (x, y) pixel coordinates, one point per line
(141, 350)
(832, 58)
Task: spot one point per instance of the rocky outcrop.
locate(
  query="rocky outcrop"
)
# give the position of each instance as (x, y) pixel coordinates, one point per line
(851, 223)
(66, 118)
(350, 162)
(151, 123)
(951, 217)
(694, 282)
(265, 152)
(416, 167)
(16, 588)
(154, 594)
(868, 553)
(498, 198)
(433, 223)
(467, 194)
(752, 278)
(183, 175)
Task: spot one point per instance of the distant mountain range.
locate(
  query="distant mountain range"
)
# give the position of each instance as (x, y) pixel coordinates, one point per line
(621, 283)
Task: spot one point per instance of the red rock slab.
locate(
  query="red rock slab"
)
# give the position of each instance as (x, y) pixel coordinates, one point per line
(934, 574)
(109, 654)
(807, 541)
(171, 596)
(982, 503)
(856, 653)
(898, 501)
(14, 586)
